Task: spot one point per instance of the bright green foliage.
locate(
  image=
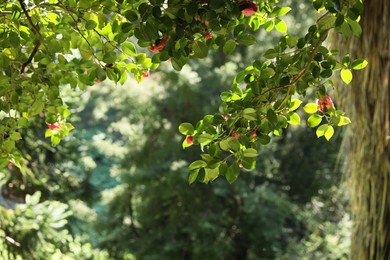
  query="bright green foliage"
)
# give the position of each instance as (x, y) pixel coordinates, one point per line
(48, 44)
(38, 230)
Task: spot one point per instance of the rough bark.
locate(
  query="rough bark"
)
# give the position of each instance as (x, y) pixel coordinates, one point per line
(368, 144)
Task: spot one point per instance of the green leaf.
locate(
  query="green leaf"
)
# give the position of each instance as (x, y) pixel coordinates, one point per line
(271, 54)
(295, 119)
(264, 139)
(234, 144)
(343, 121)
(250, 152)
(346, 75)
(321, 130)
(314, 120)
(211, 174)
(355, 27)
(291, 41)
(55, 139)
(90, 24)
(129, 48)
(359, 64)
(281, 26)
(193, 175)
(310, 108)
(197, 165)
(229, 47)
(15, 136)
(294, 104)
(8, 145)
(205, 139)
(325, 130)
(224, 145)
(200, 49)
(232, 173)
(249, 113)
(186, 129)
(329, 132)
(267, 73)
(223, 168)
(279, 11)
(109, 57)
(248, 40)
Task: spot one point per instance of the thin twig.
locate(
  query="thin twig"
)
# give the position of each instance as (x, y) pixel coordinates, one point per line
(37, 33)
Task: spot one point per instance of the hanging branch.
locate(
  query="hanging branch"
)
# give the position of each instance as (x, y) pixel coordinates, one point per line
(37, 33)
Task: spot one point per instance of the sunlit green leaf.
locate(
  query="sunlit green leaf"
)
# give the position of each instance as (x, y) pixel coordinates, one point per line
(359, 64)
(295, 119)
(186, 129)
(314, 120)
(310, 108)
(346, 76)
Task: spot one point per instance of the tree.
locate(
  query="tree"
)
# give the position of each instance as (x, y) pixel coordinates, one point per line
(152, 213)
(48, 44)
(367, 101)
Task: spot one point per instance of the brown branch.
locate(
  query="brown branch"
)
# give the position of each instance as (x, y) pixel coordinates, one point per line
(37, 33)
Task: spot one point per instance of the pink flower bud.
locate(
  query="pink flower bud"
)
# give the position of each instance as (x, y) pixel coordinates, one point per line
(248, 8)
(325, 103)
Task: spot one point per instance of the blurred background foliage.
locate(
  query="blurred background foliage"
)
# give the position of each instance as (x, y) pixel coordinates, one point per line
(117, 187)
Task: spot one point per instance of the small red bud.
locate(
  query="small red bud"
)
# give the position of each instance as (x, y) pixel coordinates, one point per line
(208, 35)
(248, 8)
(253, 134)
(235, 135)
(54, 126)
(227, 116)
(189, 139)
(145, 74)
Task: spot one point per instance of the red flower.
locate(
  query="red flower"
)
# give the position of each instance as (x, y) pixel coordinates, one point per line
(189, 139)
(97, 81)
(10, 164)
(228, 116)
(253, 134)
(159, 44)
(207, 35)
(325, 103)
(235, 135)
(206, 22)
(145, 74)
(54, 126)
(248, 8)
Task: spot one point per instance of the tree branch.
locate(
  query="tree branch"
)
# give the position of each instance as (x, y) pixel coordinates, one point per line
(37, 33)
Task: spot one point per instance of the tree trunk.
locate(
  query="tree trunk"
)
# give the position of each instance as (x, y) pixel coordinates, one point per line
(368, 156)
